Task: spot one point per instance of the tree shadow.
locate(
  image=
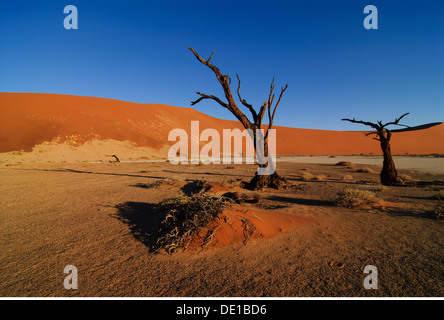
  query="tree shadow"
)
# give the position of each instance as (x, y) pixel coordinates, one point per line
(143, 221)
(206, 173)
(401, 212)
(420, 198)
(193, 187)
(92, 172)
(307, 202)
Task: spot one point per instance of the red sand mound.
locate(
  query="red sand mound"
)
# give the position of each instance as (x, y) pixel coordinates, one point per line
(29, 119)
(241, 224)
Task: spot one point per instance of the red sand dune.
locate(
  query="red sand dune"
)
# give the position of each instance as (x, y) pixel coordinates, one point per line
(29, 119)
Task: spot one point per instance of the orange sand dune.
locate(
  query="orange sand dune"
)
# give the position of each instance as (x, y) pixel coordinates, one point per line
(30, 119)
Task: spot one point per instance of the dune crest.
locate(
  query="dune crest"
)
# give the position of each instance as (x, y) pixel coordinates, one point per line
(29, 121)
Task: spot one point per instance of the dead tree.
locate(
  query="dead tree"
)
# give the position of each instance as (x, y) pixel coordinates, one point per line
(113, 155)
(389, 175)
(273, 180)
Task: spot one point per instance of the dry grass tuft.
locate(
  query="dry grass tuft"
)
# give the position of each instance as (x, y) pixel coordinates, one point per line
(347, 177)
(155, 184)
(307, 176)
(439, 195)
(319, 177)
(351, 198)
(185, 218)
(405, 177)
(438, 212)
(344, 164)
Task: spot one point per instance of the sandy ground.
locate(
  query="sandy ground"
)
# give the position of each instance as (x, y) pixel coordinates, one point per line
(426, 164)
(92, 216)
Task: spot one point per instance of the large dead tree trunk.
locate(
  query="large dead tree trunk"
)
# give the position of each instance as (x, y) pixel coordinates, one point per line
(273, 180)
(389, 174)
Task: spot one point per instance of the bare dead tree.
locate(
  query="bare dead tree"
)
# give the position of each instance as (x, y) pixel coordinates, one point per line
(273, 180)
(389, 175)
(113, 155)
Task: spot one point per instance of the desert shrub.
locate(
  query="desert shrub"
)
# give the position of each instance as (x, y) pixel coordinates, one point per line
(344, 164)
(185, 217)
(382, 188)
(370, 181)
(347, 177)
(439, 195)
(154, 184)
(405, 177)
(438, 212)
(239, 197)
(365, 170)
(306, 176)
(351, 198)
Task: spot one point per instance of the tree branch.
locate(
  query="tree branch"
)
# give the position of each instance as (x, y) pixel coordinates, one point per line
(370, 124)
(225, 81)
(244, 102)
(396, 122)
(208, 96)
(267, 103)
(271, 116)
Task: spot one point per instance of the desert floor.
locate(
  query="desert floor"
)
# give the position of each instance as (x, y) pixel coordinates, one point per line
(92, 216)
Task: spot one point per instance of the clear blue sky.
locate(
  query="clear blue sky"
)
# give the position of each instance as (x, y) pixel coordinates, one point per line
(137, 51)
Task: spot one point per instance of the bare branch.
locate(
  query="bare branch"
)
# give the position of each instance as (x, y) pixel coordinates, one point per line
(207, 96)
(396, 122)
(370, 124)
(210, 57)
(271, 116)
(379, 125)
(267, 103)
(225, 81)
(244, 102)
(279, 100)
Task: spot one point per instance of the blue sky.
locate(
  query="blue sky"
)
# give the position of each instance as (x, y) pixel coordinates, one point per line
(137, 51)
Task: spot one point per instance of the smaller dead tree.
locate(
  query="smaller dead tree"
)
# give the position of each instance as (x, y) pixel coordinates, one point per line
(113, 155)
(389, 174)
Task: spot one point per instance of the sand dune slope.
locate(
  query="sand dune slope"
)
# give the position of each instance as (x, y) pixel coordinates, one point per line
(28, 120)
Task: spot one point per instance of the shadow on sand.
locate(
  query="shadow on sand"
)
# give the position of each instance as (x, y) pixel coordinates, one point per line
(401, 212)
(143, 221)
(92, 172)
(306, 202)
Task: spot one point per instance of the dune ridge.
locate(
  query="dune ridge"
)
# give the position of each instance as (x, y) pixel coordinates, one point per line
(29, 121)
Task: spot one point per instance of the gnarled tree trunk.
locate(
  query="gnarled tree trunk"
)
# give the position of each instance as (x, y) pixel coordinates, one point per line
(389, 174)
(273, 180)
